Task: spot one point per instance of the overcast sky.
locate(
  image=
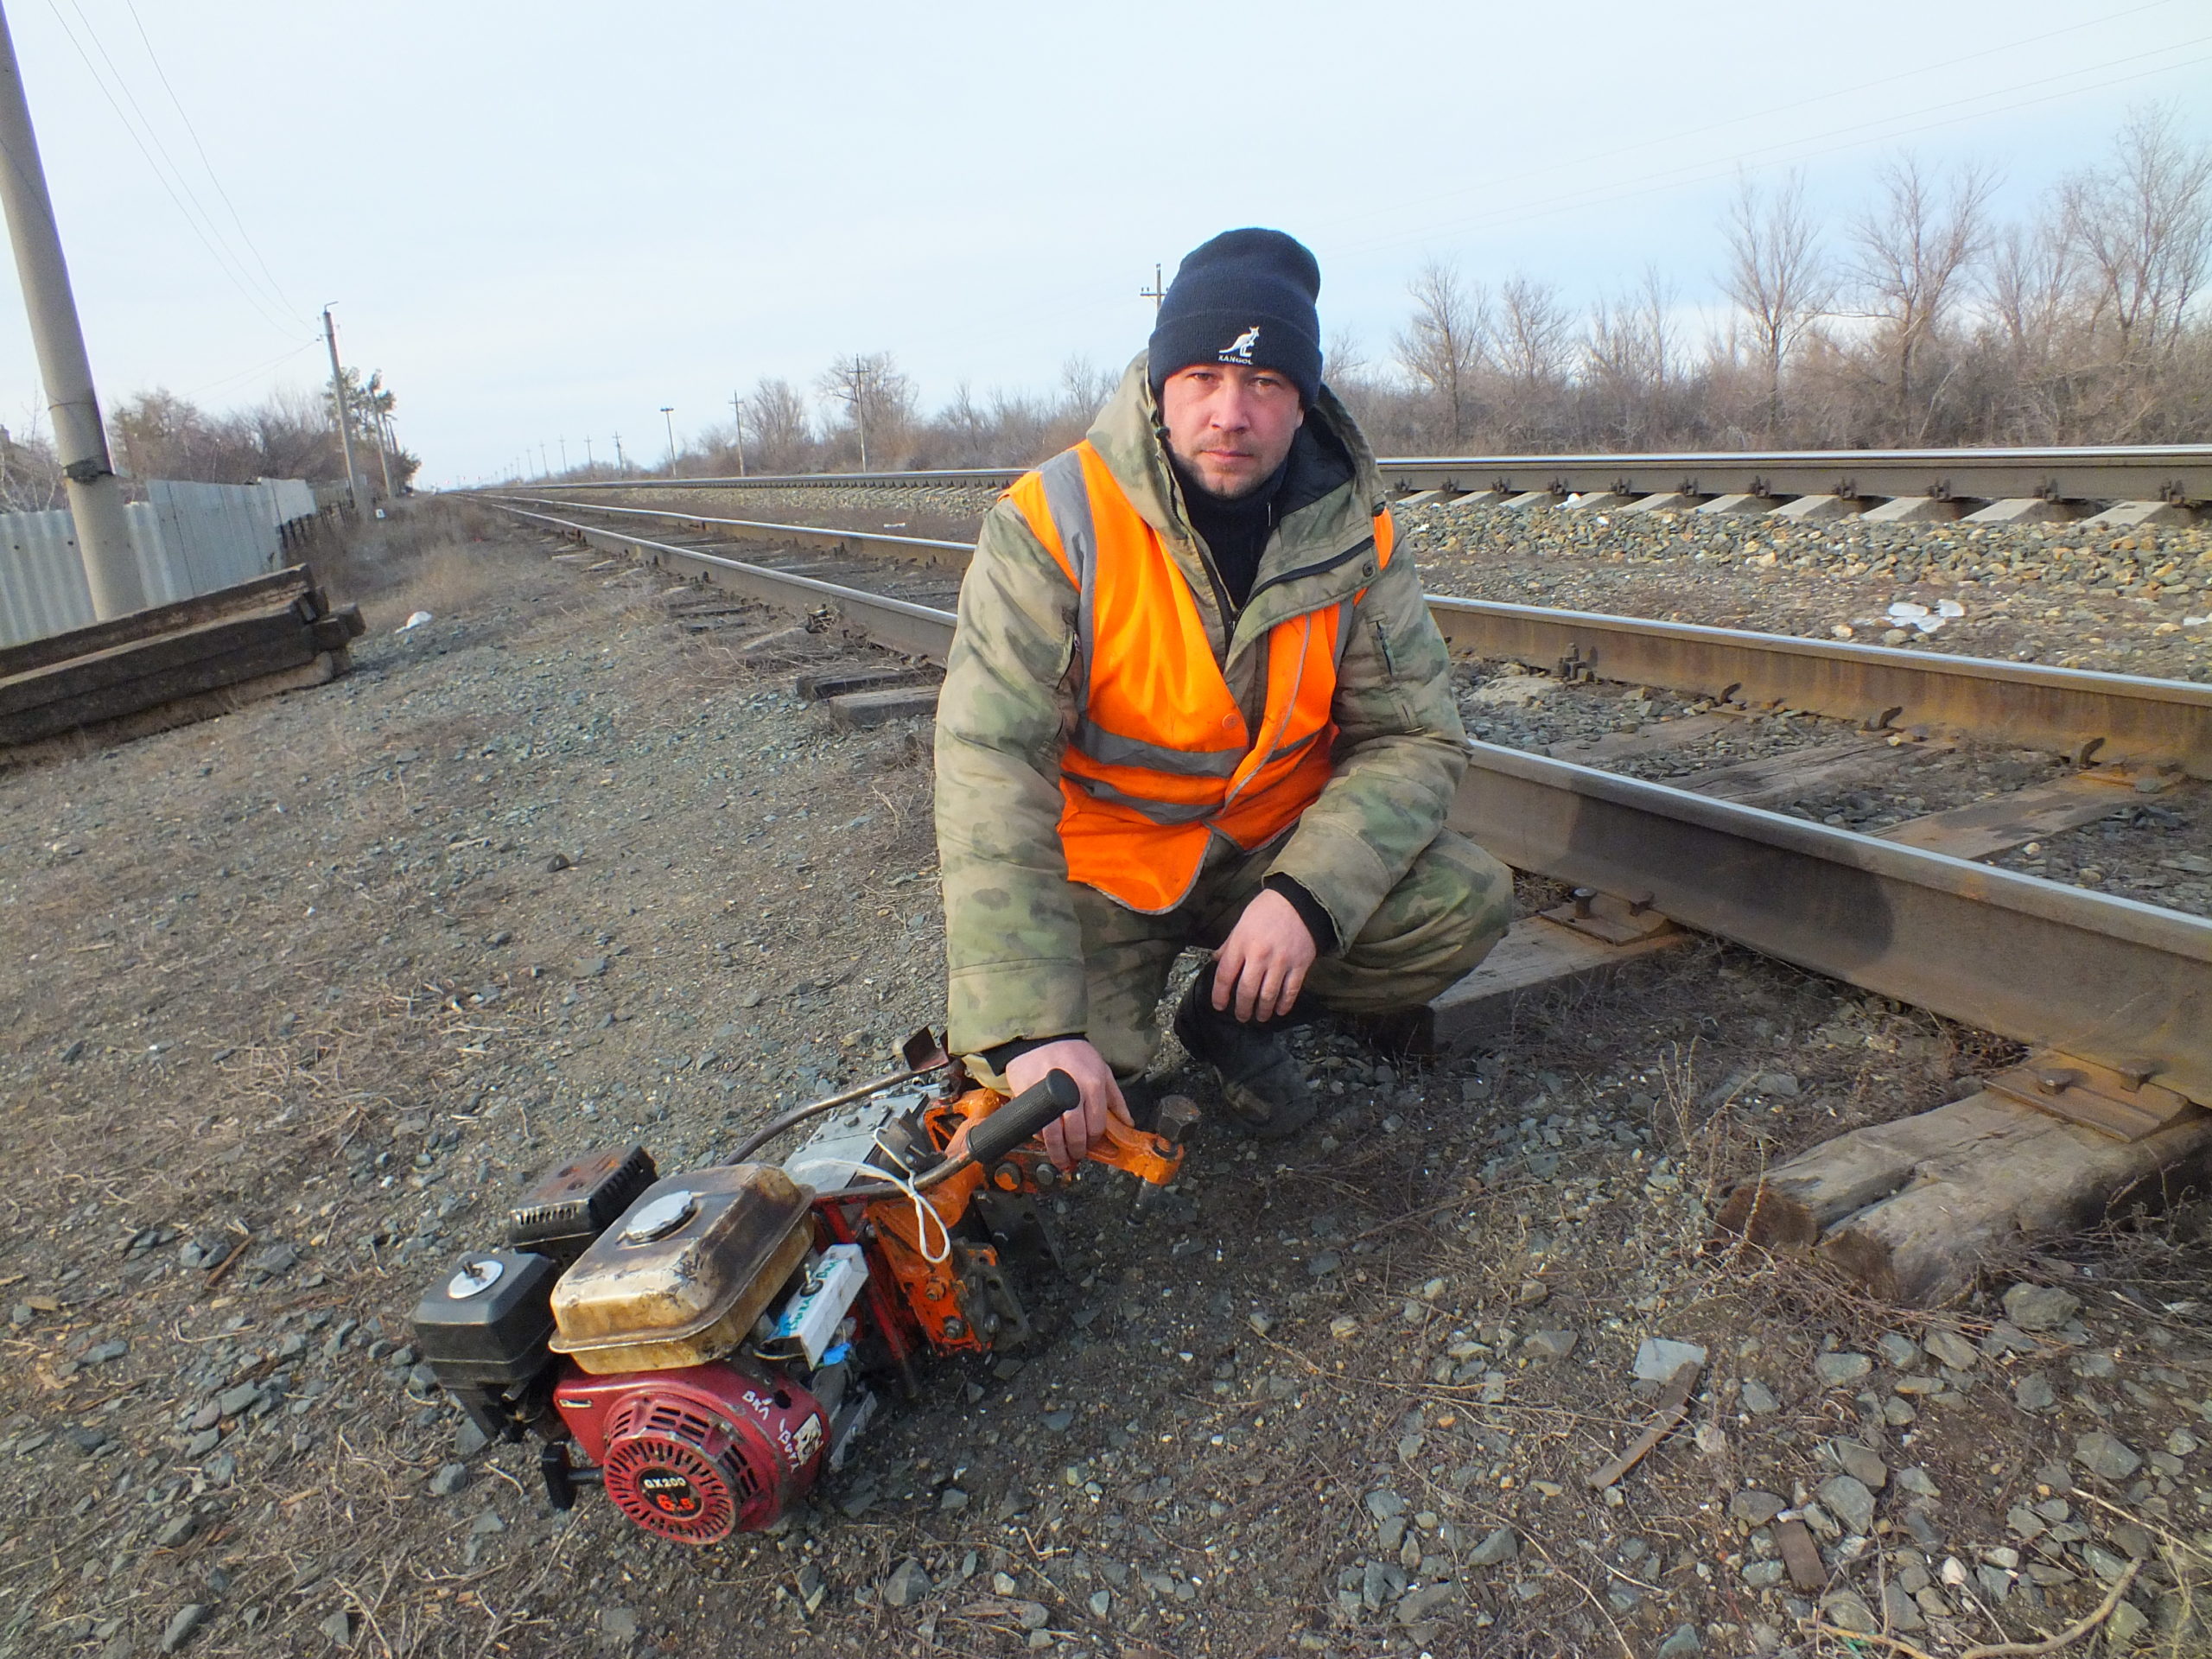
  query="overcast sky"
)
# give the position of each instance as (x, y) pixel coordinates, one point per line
(544, 221)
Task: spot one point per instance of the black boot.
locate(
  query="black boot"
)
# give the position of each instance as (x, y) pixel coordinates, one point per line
(1261, 1084)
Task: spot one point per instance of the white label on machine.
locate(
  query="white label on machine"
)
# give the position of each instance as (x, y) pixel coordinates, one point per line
(812, 1315)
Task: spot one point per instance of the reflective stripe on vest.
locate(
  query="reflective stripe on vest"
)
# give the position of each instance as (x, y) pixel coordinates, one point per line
(1161, 757)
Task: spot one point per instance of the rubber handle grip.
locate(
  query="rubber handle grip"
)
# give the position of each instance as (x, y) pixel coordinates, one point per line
(1023, 1117)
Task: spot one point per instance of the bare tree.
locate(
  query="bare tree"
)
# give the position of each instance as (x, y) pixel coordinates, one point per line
(2144, 226)
(879, 400)
(1443, 344)
(1630, 354)
(1533, 345)
(781, 429)
(1084, 388)
(1914, 251)
(1344, 361)
(1777, 275)
(289, 434)
(1534, 335)
(2031, 299)
(30, 475)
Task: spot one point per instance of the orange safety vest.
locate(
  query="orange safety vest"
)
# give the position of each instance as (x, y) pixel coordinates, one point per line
(1161, 757)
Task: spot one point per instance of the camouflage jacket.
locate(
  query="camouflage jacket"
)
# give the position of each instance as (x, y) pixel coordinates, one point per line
(1014, 953)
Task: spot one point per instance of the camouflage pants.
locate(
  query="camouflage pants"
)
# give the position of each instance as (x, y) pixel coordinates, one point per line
(1441, 919)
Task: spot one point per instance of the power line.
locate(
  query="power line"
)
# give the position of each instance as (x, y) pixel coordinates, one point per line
(228, 263)
(145, 121)
(263, 368)
(214, 179)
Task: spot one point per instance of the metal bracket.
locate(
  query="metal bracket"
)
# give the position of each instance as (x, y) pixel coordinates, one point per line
(2123, 1104)
(1615, 920)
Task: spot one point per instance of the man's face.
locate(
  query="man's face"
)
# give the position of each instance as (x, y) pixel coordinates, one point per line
(1231, 426)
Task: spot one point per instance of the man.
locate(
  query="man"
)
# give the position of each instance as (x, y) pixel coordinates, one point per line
(1195, 699)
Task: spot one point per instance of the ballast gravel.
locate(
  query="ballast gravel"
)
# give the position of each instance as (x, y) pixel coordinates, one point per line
(301, 1006)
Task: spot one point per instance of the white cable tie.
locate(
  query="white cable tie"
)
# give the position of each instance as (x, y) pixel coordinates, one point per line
(924, 1212)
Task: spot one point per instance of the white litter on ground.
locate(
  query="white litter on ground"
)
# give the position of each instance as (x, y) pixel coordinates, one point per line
(1905, 614)
(414, 621)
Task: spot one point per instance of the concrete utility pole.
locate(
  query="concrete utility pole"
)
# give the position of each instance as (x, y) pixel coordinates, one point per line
(737, 420)
(79, 440)
(384, 449)
(668, 414)
(591, 468)
(357, 485)
(621, 464)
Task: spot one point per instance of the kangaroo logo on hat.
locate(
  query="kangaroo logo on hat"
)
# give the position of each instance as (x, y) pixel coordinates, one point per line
(1239, 350)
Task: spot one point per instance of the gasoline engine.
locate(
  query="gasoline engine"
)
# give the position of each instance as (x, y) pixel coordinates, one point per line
(704, 1346)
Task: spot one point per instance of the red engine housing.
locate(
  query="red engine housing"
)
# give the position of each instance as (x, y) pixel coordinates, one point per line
(699, 1452)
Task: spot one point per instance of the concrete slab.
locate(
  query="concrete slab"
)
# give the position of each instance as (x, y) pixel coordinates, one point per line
(1779, 779)
(1534, 958)
(857, 709)
(820, 686)
(2136, 515)
(1667, 501)
(1819, 509)
(1987, 828)
(1598, 501)
(1481, 499)
(1722, 504)
(2022, 510)
(1913, 510)
(1529, 499)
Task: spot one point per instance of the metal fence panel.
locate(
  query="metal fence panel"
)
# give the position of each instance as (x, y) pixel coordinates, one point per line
(186, 539)
(287, 499)
(213, 535)
(42, 589)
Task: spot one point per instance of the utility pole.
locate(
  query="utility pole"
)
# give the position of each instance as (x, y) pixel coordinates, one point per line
(1156, 293)
(591, 468)
(563, 443)
(621, 464)
(737, 418)
(391, 443)
(356, 483)
(668, 414)
(383, 448)
(79, 440)
(859, 374)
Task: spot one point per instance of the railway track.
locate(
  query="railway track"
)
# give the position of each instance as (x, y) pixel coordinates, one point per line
(2111, 994)
(2117, 486)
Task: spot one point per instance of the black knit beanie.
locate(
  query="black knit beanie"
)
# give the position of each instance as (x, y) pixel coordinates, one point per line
(1247, 296)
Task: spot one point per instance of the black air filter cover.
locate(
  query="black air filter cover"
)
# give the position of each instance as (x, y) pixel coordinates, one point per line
(572, 1203)
(487, 1320)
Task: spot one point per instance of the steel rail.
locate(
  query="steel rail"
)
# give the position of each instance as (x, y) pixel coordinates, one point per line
(2066, 710)
(2179, 473)
(952, 555)
(913, 630)
(2109, 980)
(2063, 709)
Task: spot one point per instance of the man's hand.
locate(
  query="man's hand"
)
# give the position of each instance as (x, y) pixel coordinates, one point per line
(1262, 964)
(1068, 1137)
